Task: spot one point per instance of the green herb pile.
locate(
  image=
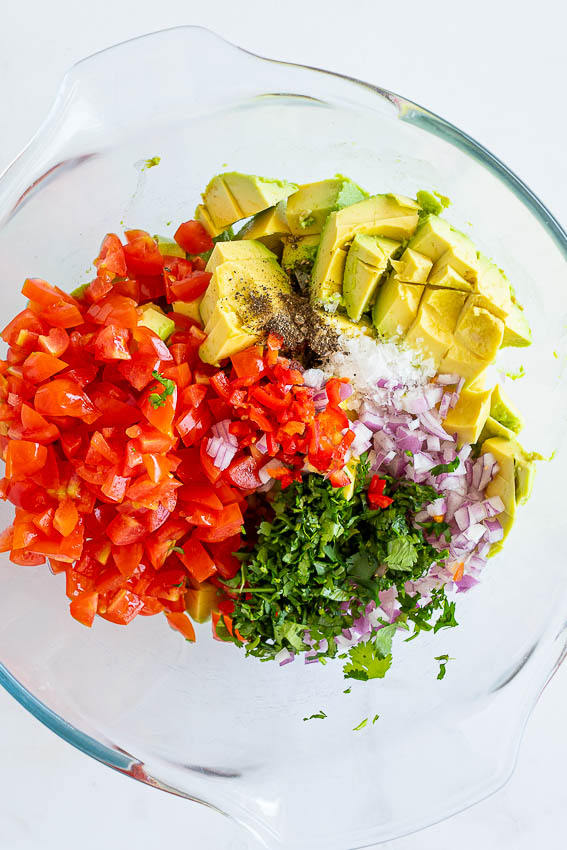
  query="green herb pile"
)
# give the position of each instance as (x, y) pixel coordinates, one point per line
(320, 550)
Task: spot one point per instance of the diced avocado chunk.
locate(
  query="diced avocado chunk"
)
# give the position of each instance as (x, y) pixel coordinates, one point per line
(517, 331)
(156, 320)
(342, 325)
(479, 330)
(505, 411)
(461, 361)
(201, 601)
(269, 227)
(391, 216)
(237, 251)
(432, 202)
(232, 196)
(503, 484)
(432, 330)
(525, 476)
(412, 267)
(203, 216)
(467, 419)
(493, 285)
(447, 277)
(189, 309)
(308, 208)
(493, 428)
(366, 262)
(237, 304)
(445, 246)
(396, 306)
(169, 247)
(299, 252)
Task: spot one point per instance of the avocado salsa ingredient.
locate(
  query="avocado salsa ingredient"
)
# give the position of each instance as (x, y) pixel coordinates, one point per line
(316, 381)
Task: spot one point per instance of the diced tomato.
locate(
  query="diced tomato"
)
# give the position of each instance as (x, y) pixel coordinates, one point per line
(23, 459)
(34, 427)
(375, 495)
(124, 530)
(191, 287)
(24, 321)
(65, 518)
(228, 523)
(55, 342)
(197, 560)
(97, 289)
(142, 254)
(243, 473)
(222, 553)
(201, 494)
(249, 363)
(62, 314)
(40, 366)
(83, 607)
(111, 343)
(181, 623)
(193, 425)
(63, 397)
(124, 606)
(26, 559)
(158, 406)
(193, 238)
(111, 262)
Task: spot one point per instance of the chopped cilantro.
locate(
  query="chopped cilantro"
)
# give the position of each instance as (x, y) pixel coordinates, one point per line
(361, 725)
(316, 550)
(443, 659)
(319, 716)
(152, 162)
(375, 718)
(445, 467)
(347, 691)
(158, 399)
(177, 549)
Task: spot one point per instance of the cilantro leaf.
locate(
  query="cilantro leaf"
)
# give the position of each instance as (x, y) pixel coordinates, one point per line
(445, 467)
(375, 718)
(361, 725)
(158, 399)
(443, 659)
(402, 553)
(319, 716)
(366, 662)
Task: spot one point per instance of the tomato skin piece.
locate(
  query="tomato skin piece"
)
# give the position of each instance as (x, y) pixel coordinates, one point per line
(55, 342)
(65, 518)
(249, 363)
(191, 287)
(83, 608)
(24, 459)
(142, 255)
(124, 606)
(243, 473)
(26, 559)
(63, 397)
(39, 366)
(193, 238)
(180, 622)
(33, 427)
(62, 314)
(111, 343)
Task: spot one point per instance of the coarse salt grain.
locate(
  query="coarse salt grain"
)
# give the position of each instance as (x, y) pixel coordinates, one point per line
(364, 361)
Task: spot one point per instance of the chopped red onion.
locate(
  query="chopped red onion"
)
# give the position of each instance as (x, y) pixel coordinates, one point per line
(371, 418)
(417, 404)
(494, 531)
(493, 506)
(475, 532)
(437, 508)
(445, 404)
(445, 380)
(262, 444)
(433, 444)
(430, 423)
(221, 429)
(320, 399)
(345, 391)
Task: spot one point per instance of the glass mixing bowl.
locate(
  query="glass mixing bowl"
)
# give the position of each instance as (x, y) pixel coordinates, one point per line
(202, 721)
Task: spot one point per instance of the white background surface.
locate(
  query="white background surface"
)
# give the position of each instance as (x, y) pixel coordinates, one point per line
(495, 70)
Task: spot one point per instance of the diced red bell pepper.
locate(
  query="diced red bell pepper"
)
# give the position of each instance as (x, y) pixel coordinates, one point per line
(83, 607)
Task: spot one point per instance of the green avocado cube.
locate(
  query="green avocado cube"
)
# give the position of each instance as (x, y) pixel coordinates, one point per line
(299, 252)
(366, 262)
(517, 331)
(154, 319)
(494, 428)
(396, 306)
(169, 247)
(308, 208)
(505, 411)
(232, 196)
(479, 330)
(468, 418)
(238, 251)
(412, 267)
(269, 227)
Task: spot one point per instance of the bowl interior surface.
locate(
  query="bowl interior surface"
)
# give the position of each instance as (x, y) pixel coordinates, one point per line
(202, 719)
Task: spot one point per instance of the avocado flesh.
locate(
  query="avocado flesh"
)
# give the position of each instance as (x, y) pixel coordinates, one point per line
(432, 330)
(169, 248)
(468, 418)
(309, 207)
(479, 330)
(445, 246)
(299, 252)
(412, 267)
(390, 216)
(201, 601)
(232, 196)
(366, 262)
(505, 411)
(343, 326)
(238, 251)
(269, 227)
(156, 320)
(503, 484)
(237, 304)
(459, 360)
(517, 333)
(203, 217)
(494, 428)
(396, 306)
(189, 309)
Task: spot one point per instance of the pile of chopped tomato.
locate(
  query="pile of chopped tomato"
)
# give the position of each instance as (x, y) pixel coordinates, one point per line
(104, 430)
(101, 427)
(265, 397)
